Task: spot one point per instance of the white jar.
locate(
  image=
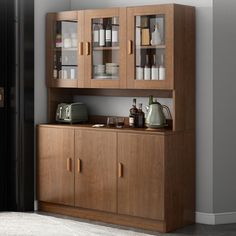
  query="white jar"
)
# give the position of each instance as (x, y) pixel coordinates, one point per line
(67, 41)
(74, 40)
(72, 73)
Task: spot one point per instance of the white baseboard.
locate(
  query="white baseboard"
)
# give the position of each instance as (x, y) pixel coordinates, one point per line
(35, 205)
(216, 218)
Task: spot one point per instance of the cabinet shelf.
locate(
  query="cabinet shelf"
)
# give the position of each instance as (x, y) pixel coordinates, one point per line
(61, 79)
(105, 77)
(70, 65)
(105, 48)
(151, 47)
(65, 49)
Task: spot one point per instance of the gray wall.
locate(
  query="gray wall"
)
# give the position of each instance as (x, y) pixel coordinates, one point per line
(204, 83)
(40, 97)
(224, 109)
(116, 106)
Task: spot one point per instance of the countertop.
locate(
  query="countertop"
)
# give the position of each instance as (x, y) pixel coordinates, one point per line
(162, 131)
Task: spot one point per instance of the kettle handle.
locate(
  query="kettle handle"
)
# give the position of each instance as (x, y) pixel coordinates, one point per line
(168, 110)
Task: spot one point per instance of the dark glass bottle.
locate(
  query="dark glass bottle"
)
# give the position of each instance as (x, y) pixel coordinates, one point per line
(108, 33)
(147, 69)
(140, 117)
(132, 114)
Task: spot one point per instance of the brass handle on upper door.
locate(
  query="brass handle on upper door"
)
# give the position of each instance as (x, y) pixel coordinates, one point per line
(130, 47)
(69, 164)
(87, 48)
(120, 170)
(81, 49)
(79, 165)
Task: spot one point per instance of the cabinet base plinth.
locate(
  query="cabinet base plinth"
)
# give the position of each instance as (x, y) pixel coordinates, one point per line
(130, 221)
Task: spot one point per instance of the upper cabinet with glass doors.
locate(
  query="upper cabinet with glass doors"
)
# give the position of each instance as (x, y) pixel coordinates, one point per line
(105, 44)
(64, 61)
(145, 47)
(150, 47)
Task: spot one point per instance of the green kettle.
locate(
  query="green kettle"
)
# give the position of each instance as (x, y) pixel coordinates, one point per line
(155, 116)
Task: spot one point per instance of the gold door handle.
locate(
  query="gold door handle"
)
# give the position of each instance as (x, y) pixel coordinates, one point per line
(87, 48)
(120, 170)
(81, 49)
(79, 165)
(130, 44)
(69, 164)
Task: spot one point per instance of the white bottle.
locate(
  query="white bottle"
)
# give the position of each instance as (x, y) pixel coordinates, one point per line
(156, 36)
(155, 69)
(162, 69)
(101, 34)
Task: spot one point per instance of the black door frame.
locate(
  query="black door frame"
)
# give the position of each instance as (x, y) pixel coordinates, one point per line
(17, 139)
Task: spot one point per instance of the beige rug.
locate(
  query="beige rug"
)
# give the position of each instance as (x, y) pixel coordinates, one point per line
(32, 224)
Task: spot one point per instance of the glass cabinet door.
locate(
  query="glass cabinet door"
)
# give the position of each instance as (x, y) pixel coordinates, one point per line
(65, 52)
(149, 49)
(64, 42)
(105, 48)
(105, 44)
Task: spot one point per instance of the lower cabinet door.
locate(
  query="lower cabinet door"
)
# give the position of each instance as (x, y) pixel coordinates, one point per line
(56, 165)
(96, 170)
(141, 177)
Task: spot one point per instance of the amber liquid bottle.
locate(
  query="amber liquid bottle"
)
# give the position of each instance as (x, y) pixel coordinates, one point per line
(132, 114)
(140, 117)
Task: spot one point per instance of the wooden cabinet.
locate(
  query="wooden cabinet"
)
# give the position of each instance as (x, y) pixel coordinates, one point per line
(56, 165)
(153, 41)
(77, 168)
(133, 177)
(95, 176)
(141, 186)
(136, 178)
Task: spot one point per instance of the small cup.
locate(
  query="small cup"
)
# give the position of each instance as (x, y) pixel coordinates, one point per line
(111, 121)
(120, 122)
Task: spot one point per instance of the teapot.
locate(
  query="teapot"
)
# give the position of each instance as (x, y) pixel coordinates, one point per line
(155, 115)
